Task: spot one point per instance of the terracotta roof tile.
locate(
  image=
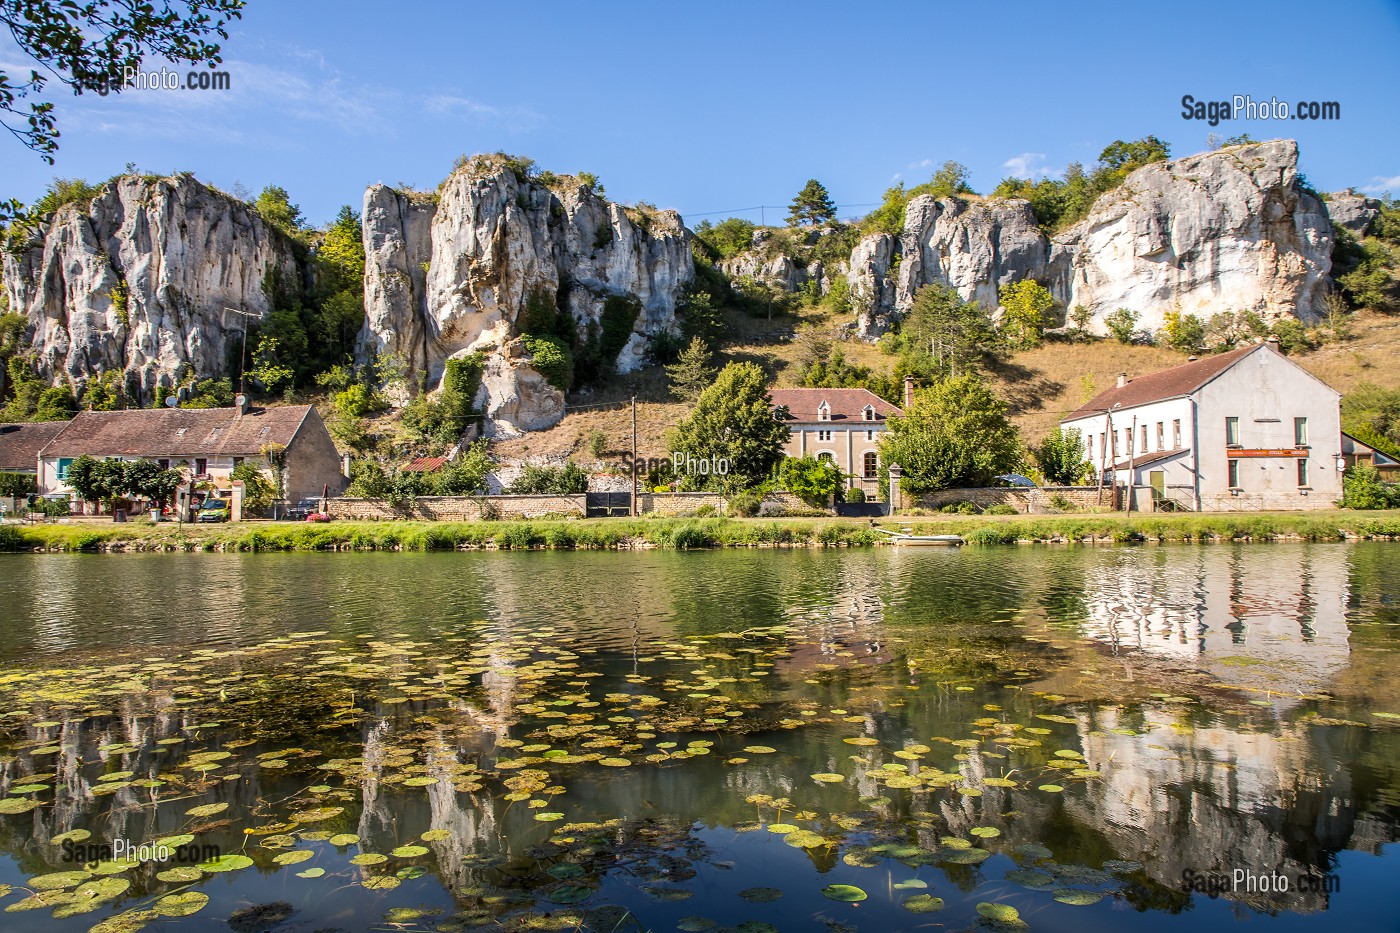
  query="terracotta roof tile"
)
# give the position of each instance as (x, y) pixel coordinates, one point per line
(177, 432)
(20, 443)
(846, 404)
(1164, 384)
(424, 464)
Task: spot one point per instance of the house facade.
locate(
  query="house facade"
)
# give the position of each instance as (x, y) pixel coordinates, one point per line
(206, 443)
(840, 425)
(1244, 430)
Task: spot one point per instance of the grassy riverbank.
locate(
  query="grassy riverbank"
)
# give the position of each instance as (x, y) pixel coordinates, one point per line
(684, 533)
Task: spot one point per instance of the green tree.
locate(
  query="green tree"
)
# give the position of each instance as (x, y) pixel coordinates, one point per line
(552, 359)
(889, 216)
(17, 485)
(87, 46)
(465, 475)
(1374, 411)
(102, 481)
(950, 180)
(1184, 332)
(148, 480)
(258, 491)
(267, 370)
(954, 435)
(1122, 324)
(1362, 488)
(813, 205)
(733, 420)
(1060, 456)
(1026, 306)
(944, 335)
(727, 238)
(813, 481)
(13, 328)
(56, 404)
(275, 206)
(691, 373)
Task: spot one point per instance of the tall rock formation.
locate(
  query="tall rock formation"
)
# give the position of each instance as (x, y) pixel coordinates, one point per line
(1221, 231)
(180, 252)
(462, 274)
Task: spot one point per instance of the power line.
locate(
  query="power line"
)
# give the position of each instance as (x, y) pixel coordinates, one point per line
(766, 207)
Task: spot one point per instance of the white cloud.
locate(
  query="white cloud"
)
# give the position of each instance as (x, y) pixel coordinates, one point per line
(1029, 165)
(1380, 185)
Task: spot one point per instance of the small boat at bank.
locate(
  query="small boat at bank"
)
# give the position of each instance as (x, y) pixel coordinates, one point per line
(905, 538)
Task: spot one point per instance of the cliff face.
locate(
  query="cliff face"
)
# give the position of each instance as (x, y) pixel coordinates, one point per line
(1222, 231)
(183, 252)
(457, 277)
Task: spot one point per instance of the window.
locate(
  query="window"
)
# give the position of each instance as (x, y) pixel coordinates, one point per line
(1161, 436)
(1234, 474)
(63, 464)
(1232, 432)
(1302, 471)
(1143, 435)
(1089, 446)
(823, 412)
(163, 463)
(869, 413)
(1176, 434)
(201, 466)
(1300, 436)
(872, 464)
(1103, 446)
(826, 457)
(237, 462)
(1115, 445)
(823, 435)
(1128, 440)
(870, 435)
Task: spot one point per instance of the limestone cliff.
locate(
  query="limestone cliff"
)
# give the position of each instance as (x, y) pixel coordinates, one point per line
(460, 275)
(1221, 231)
(178, 251)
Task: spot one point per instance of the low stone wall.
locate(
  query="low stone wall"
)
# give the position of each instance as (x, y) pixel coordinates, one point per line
(686, 503)
(1268, 502)
(1025, 500)
(456, 508)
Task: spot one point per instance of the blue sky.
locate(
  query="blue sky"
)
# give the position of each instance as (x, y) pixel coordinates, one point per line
(717, 106)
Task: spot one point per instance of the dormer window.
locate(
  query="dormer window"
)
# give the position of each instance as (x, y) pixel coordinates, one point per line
(823, 412)
(869, 413)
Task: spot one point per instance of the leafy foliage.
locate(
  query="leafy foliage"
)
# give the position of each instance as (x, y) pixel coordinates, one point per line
(1371, 414)
(955, 435)
(87, 47)
(1122, 324)
(17, 485)
(1059, 203)
(1060, 456)
(1362, 488)
(1027, 306)
(258, 491)
(552, 359)
(1184, 332)
(811, 480)
(567, 480)
(727, 238)
(943, 335)
(110, 480)
(733, 420)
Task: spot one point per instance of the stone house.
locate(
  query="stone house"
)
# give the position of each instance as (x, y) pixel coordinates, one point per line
(1244, 430)
(20, 444)
(839, 425)
(208, 443)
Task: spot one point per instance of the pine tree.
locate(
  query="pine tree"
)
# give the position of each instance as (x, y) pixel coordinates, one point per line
(692, 372)
(813, 205)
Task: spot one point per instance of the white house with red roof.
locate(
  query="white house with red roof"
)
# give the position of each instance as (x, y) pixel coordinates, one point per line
(1244, 430)
(839, 425)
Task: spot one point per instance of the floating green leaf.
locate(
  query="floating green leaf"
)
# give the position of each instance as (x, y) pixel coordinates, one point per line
(226, 863)
(180, 874)
(923, 903)
(846, 893)
(1002, 913)
(293, 857)
(760, 895)
(1077, 898)
(180, 905)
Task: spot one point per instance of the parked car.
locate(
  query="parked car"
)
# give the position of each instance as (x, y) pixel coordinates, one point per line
(1016, 479)
(213, 510)
(303, 509)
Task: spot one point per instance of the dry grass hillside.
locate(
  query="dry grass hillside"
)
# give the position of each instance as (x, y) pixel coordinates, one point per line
(1040, 386)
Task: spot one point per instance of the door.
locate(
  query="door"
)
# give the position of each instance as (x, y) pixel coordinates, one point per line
(1157, 479)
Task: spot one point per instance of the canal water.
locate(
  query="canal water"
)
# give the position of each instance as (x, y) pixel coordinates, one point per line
(1075, 739)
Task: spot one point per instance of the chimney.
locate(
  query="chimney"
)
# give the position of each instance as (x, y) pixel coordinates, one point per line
(908, 392)
(1122, 380)
(1272, 341)
(240, 402)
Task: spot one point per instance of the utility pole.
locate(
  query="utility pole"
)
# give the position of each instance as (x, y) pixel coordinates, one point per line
(634, 456)
(243, 347)
(1132, 435)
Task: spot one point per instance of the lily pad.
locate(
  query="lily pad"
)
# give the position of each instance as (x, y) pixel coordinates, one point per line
(226, 863)
(922, 903)
(1002, 913)
(1077, 898)
(409, 851)
(73, 835)
(828, 778)
(1051, 788)
(760, 895)
(180, 905)
(181, 874)
(58, 880)
(570, 894)
(695, 924)
(209, 809)
(311, 873)
(438, 835)
(13, 805)
(369, 858)
(344, 839)
(845, 893)
(293, 857)
(911, 884)
(382, 883)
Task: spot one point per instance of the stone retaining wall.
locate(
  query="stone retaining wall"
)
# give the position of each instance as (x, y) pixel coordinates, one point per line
(1025, 500)
(457, 508)
(685, 503)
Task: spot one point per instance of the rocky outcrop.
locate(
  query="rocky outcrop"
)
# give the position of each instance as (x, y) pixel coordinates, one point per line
(1222, 231)
(1352, 211)
(496, 248)
(513, 396)
(140, 282)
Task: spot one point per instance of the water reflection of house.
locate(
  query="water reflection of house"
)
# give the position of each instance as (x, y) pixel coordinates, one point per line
(1269, 619)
